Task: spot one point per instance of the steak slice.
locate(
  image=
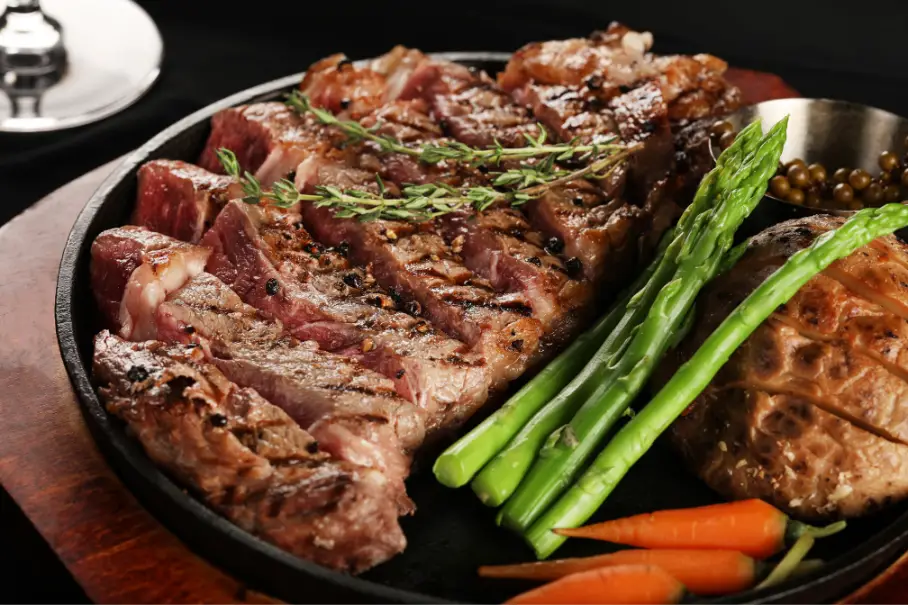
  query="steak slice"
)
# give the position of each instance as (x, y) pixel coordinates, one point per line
(353, 412)
(353, 91)
(499, 243)
(415, 263)
(273, 264)
(469, 104)
(269, 140)
(245, 457)
(132, 272)
(179, 199)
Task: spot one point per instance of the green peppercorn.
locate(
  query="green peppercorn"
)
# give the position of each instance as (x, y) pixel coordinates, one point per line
(779, 186)
(843, 193)
(888, 161)
(858, 179)
(798, 176)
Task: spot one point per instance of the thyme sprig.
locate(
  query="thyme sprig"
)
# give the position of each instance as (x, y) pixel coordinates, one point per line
(418, 202)
(540, 172)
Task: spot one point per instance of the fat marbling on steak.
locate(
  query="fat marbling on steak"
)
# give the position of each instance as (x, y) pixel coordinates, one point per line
(811, 412)
(245, 457)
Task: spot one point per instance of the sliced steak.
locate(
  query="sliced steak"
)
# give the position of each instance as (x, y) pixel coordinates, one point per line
(273, 264)
(269, 140)
(353, 412)
(132, 272)
(467, 104)
(415, 263)
(179, 199)
(245, 457)
(354, 91)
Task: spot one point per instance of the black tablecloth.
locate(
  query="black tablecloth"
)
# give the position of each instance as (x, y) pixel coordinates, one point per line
(824, 48)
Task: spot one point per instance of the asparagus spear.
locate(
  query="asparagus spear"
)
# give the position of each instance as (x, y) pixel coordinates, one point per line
(572, 445)
(501, 477)
(634, 439)
(463, 459)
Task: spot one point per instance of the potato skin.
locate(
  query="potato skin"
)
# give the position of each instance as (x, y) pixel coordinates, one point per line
(811, 412)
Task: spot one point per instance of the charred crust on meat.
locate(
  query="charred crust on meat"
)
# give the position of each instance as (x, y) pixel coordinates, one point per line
(400, 374)
(574, 266)
(554, 245)
(218, 420)
(534, 260)
(353, 280)
(271, 287)
(137, 374)
(423, 328)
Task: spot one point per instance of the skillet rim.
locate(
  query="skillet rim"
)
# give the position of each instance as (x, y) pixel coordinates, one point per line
(151, 485)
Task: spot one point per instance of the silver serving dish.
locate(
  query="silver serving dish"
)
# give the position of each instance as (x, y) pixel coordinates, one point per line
(834, 133)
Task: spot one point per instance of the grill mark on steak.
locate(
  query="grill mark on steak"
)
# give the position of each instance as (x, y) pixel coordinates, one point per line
(818, 402)
(321, 297)
(274, 485)
(867, 292)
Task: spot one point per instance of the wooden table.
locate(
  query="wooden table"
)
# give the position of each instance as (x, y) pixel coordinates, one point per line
(112, 546)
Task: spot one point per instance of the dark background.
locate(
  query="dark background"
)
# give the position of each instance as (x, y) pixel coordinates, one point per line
(848, 50)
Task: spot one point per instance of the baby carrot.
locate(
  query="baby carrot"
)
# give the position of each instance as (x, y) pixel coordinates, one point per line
(627, 584)
(752, 527)
(703, 572)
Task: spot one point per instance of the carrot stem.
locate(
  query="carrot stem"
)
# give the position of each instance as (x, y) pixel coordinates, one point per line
(789, 563)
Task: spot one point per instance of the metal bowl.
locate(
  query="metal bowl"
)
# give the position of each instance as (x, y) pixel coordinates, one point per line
(833, 133)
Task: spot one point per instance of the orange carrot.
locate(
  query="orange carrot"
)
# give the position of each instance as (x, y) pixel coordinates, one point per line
(703, 572)
(627, 584)
(752, 527)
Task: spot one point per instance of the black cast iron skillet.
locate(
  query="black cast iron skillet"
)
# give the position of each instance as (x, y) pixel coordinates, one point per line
(452, 533)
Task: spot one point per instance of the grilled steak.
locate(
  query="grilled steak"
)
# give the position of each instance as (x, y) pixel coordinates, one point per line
(273, 264)
(499, 244)
(808, 413)
(417, 264)
(179, 199)
(132, 272)
(353, 411)
(245, 457)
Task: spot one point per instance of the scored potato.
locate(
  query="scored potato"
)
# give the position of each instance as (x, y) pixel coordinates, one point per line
(811, 412)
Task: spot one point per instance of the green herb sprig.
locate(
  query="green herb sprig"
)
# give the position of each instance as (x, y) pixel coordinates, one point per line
(418, 202)
(540, 172)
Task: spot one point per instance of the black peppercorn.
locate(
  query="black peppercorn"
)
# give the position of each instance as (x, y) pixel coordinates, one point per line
(534, 260)
(624, 88)
(137, 373)
(413, 308)
(218, 420)
(344, 103)
(573, 266)
(343, 249)
(594, 82)
(399, 374)
(517, 345)
(578, 201)
(271, 287)
(353, 280)
(312, 447)
(554, 245)
(314, 248)
(189, 330)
